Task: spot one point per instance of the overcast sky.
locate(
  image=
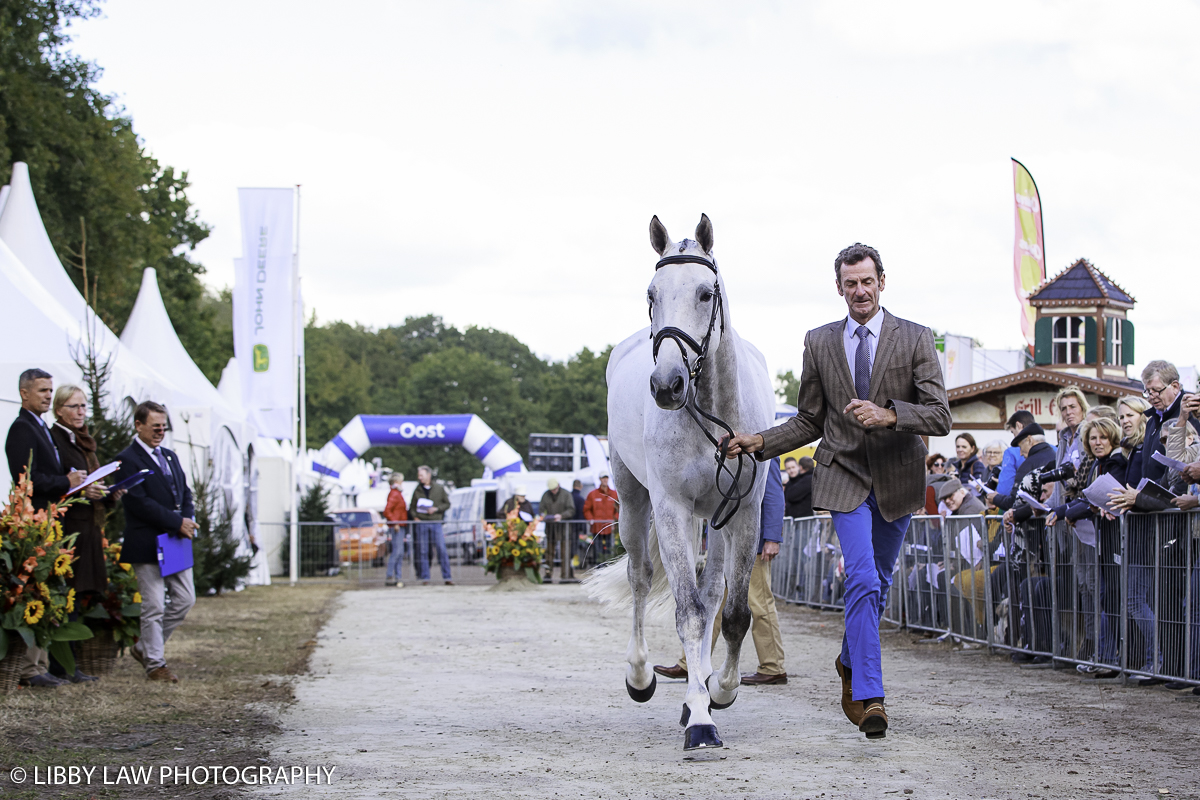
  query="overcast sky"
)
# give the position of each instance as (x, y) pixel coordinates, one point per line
(498, 163)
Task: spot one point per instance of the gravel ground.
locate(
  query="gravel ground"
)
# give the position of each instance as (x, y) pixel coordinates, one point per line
(458, 692)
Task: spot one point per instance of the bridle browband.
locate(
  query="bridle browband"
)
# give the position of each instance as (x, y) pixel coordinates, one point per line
(731, 498)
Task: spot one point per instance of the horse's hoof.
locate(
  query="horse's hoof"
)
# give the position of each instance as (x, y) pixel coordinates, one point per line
(642, 695)
(699, 736)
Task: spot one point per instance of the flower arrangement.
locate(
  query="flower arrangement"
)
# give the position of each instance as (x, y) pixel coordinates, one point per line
(511, 544)
(119, 609)
(35, 563)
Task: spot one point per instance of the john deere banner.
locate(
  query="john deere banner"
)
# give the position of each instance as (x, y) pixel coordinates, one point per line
(1029, 259)
(264, 311)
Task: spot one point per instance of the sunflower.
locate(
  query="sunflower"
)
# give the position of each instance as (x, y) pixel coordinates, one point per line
(126, 567)
(34, 610)
(137, 597)
(44, 590)
(62, 565)
(70, 606)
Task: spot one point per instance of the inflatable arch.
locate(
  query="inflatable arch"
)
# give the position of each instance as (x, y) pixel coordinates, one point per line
(370, 430)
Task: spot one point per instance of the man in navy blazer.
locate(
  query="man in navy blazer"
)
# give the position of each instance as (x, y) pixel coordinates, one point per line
(160, 504)
(29, 448)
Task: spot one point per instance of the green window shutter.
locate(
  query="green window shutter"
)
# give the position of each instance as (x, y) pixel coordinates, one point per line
(1127, 342)
(1042, 334)
(1109, 325)
(1089, 340)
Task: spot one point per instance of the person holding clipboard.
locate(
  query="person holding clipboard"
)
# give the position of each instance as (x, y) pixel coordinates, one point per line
(159, 526)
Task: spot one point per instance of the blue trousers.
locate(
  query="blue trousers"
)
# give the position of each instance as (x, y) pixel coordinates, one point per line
(430, 533)
(870, 545)
(396, 556)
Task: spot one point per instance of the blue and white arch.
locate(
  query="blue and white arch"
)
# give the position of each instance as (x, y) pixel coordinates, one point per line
(384, 430)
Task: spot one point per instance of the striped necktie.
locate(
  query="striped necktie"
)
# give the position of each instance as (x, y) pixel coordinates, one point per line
(862, 364)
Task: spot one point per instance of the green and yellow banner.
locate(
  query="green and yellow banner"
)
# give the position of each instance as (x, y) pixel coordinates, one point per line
(1029, 257)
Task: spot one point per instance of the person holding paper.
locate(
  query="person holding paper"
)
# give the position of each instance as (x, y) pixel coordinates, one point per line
(429, 505)
(30, 448)
(1101, 438)
(77, 450)
(162, 504)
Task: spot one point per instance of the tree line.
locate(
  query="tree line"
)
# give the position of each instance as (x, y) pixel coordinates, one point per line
(428, 367)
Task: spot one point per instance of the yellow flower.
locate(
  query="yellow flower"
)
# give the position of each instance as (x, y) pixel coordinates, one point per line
(126, 567)
(34, 610)
(70, 600)
(137, 596)
(62, 564)
(45, 590)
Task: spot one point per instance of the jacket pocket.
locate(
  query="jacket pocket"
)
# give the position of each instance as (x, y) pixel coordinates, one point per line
(823, 456)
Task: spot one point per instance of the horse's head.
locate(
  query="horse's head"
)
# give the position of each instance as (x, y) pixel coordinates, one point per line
(686, 313)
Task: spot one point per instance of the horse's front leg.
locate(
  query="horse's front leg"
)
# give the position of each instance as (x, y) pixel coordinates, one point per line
(635, 534)
(741, 542)
(673, 526)
(712, 592)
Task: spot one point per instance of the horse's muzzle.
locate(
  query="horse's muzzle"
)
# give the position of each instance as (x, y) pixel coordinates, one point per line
(669, 390)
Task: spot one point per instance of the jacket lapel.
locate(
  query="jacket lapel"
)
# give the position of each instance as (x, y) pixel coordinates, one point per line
(149, 462)
(837, 351)
(887, 346)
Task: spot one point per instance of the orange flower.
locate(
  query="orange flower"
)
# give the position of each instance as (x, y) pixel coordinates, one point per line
(41, 551)
(29, 564)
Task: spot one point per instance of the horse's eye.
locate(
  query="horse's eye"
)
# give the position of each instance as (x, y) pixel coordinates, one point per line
(705, 297)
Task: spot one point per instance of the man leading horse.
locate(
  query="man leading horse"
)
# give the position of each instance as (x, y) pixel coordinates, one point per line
(871, 387)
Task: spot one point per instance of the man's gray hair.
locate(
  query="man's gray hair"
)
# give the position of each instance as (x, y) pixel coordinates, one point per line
(1165, 371)
(426, 468)
(30, 375)
(1035, 439)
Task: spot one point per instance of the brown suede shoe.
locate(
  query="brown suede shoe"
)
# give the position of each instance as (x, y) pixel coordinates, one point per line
(853, 709)
(874, 721)
(161, 674)
(762, 679)
(673, 671)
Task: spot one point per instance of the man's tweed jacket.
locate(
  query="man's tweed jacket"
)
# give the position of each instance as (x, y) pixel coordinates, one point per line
(853, 460)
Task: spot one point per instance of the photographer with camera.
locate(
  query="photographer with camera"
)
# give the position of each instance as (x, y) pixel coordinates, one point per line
(1033, 596)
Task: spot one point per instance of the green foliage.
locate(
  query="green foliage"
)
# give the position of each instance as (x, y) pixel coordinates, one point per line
(217, 566)
(427, 367)
(318, 551)
(787, 386)
(87, 165)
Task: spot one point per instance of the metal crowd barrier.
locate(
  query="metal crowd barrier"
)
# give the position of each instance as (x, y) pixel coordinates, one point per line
(360, 553)
(1122, 599)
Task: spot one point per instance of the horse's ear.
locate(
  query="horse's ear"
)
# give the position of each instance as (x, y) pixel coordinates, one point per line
(704, 233)
(659, 239)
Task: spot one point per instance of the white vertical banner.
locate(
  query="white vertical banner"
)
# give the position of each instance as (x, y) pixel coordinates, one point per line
(264, 310)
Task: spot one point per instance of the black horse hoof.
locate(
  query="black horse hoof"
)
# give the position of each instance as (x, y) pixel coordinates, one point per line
(699, 736)
(642, 695)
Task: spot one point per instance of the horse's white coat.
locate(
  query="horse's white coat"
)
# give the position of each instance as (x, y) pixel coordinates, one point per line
(664, 471)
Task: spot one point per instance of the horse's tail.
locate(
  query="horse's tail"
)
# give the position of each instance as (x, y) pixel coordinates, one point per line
(609, 583)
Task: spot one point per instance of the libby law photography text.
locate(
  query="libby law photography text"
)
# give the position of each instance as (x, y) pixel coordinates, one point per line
(167, 775)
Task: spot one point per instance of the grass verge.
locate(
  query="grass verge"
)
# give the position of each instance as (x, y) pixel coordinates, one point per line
(235, 656)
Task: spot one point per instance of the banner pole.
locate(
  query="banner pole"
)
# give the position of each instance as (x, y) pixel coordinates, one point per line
(297, 397)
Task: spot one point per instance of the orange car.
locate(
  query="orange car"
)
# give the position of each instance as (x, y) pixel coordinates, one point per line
(362, 535)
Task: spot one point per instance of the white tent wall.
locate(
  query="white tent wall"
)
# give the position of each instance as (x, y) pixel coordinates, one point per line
(56, 314)
(272, 499)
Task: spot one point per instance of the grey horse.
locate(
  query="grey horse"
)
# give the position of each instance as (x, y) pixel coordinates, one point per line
(664, 467)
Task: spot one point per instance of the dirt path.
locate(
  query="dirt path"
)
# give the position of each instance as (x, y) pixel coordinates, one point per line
(457, 692)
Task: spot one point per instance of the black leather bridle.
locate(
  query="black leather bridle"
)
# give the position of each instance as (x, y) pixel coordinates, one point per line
(731, 498)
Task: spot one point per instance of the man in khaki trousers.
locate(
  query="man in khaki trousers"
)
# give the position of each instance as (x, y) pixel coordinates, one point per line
(764, 624)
